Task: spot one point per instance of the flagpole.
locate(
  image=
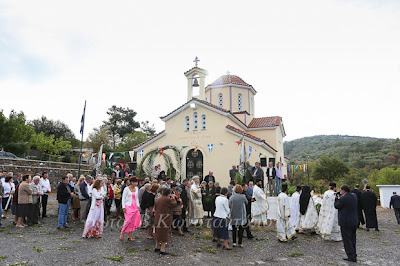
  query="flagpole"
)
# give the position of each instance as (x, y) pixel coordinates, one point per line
(82, 127)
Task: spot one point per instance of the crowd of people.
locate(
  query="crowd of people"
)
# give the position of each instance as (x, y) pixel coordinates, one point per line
(159, 205)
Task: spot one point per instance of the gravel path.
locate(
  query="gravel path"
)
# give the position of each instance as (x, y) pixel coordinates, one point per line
(45, 245)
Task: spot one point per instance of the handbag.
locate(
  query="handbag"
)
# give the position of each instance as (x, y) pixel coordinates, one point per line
(113, 207)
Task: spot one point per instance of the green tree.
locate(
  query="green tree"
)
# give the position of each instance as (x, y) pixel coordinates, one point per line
(54, 127)
(330, 169)
(49, 145)
(130, 140)
(389, 176)
(148, 129)
(98, 137)
(15, 133)
(120, 122)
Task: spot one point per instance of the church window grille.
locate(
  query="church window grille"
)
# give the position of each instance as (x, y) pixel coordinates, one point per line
(220, 100)
(203, 122)
(195, 121)
(187, 125)
(240, 102)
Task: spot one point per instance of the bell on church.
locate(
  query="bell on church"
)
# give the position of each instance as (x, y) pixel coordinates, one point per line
(195, 83)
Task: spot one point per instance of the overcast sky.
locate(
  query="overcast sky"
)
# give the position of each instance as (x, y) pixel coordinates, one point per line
(326, 67)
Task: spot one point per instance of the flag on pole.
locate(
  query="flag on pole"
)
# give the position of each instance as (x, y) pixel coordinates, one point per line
(140, 153)
(250, 150)
(83, 119)
(111, 155)
(131, 153)
(238, 142)
(100, 156)
(183, 147)
(289, 167)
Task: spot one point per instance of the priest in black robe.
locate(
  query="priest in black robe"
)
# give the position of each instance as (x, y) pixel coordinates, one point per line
(357, 191)
(368, 202)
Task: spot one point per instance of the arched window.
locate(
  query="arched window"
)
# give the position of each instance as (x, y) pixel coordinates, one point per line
(187, 126)
(203, 122)
(220, 100)
(240, 101)
(195, 121)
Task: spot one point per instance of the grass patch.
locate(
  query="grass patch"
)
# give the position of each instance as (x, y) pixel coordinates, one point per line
(212, 251)
(203, 237)
(61, 237)
(74, 241)
(147, 249)
(3, 258)
(38, 249)
(45, 233)
(63, 248)
(38, 225)
(13, 233)
(130, 250)
(173, 255)
(22, 263)
(90, 262)
(121, 258)
(296, 254)
(21, 236)
(330, 262)
(10, 225)
(397, 231)
(258, 239)
(385, 243)
(374, 237)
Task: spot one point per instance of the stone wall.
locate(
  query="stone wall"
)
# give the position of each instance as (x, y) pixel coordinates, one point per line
(55, 170)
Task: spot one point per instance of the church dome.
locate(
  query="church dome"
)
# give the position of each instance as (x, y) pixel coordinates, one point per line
(230, 79)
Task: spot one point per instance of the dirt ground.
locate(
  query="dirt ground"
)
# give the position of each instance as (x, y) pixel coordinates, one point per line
(46, 245)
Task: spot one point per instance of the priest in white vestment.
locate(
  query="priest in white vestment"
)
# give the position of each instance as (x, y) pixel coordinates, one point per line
(308, 212)
(259, 205)
(294, 209)
(284, 228)
(328, 224)
(196, 211)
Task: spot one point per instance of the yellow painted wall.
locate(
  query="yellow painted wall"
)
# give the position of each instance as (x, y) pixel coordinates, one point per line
(221, 159)
(212, 97)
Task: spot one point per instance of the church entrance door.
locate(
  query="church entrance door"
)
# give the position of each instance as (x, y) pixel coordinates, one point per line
(194, 163)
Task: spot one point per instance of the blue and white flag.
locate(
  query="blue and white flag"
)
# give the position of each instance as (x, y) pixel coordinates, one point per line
(111, 155)
(83, 120)
(250, 150)
(210, 147)
(141, 153)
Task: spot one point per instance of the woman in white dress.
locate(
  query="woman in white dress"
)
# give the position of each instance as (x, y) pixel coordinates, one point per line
(95, 220)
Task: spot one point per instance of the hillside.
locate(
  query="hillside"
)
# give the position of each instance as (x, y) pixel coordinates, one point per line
(358, 151)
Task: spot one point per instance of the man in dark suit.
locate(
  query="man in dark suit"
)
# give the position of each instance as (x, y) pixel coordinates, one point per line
(348, 220)
(185, 201)
(357, 191)
(271, 174)
(209, 177)
(233, 172)
(395, 203)
(258, 174)
(368, 202)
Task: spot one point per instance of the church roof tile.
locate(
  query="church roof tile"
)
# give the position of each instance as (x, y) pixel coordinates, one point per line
(271, 121)
(241, 132)
(230, 79)
(193, 69)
